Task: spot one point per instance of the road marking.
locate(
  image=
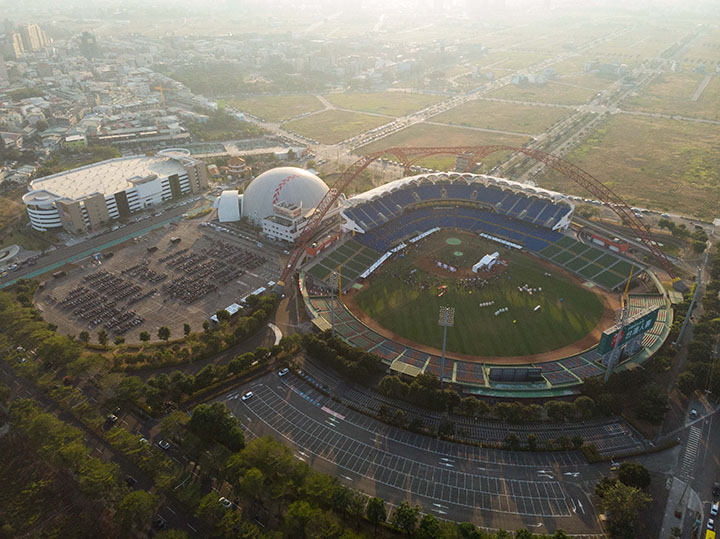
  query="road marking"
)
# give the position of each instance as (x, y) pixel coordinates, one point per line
(173, 512)
(574, 508)
(193, 529)
(580, 505)
(346, 477)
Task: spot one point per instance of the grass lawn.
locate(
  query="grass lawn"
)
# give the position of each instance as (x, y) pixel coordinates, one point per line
(390, 103)
(670, 93)
(423, 135)
(551, 92)
(332, 126)
(277, 108)
(11, 207)
(412, 313)
(664, 164)
(504, 116)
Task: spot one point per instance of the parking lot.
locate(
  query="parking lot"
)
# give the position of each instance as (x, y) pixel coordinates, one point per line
(179, 273)
(489, 487)
(610, 436)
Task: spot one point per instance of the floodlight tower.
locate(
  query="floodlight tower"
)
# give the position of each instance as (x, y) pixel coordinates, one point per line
(446, 319)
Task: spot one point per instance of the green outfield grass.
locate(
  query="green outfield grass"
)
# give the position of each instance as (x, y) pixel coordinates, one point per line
(412, 313)
(277, 108)
(390, 103)
(332, 126)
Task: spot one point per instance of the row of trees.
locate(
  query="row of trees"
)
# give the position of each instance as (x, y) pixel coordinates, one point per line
(213, 339)
(424, 390)
(351, 362)
(701, 372)
(66, 477)
(697, 238)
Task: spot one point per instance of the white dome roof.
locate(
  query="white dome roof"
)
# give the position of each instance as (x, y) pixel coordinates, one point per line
(282, 184)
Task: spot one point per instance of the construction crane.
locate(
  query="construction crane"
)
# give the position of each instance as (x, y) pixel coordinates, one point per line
(162, 93)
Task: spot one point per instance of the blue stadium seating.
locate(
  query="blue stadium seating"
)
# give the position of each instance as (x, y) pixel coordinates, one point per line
(459, 191)
(403, 197)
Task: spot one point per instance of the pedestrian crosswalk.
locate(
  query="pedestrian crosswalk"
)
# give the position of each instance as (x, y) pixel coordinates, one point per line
(691, 450)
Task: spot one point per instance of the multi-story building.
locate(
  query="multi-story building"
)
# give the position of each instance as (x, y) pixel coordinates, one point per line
(91, 196)
(33, 37)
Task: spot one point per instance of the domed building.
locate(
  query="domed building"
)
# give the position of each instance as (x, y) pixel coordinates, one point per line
(280, 200)
(289, 185)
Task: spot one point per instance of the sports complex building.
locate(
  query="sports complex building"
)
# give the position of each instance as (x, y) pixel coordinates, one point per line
(91, 196)
(381, 225)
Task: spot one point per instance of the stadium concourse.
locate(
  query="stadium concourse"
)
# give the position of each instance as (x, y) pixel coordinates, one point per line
(532, 220)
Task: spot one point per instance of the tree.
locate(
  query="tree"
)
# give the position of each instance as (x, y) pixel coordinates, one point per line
(585, 406)
(634, 474)
(512, 441)
(213, 423)
(429, 528)
(222, 315)
(173, 426)
(186, 329)
(84, 337)
(252, 485)
(653, 404)
(686, 382)
(297, 518)
(469, 406)
(102, 337)
(446, 428)
(623, 505)
(405, 517)
(376, 512)
(144, 336)
(135, 510)
(210, 509)
(163, 333)
(532, 442)
(118, 340)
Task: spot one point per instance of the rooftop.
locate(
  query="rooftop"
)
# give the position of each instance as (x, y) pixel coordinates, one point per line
(107, 177)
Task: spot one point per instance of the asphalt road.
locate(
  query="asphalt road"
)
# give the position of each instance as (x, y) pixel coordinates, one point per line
(63, 254)
(493, 488)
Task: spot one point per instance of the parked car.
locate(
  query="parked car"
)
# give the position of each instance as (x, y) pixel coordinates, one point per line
(227, 504)
(247, 396)
(283, 372)
(164, 444)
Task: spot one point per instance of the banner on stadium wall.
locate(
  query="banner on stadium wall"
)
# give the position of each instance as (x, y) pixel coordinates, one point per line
(636, 325)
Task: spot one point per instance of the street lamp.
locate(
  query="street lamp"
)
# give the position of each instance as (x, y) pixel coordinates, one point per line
(446, 319)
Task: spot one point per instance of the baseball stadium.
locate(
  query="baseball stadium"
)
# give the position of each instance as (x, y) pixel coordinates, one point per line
(483, 281)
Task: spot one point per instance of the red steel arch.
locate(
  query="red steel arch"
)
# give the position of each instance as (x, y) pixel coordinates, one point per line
(408, 156)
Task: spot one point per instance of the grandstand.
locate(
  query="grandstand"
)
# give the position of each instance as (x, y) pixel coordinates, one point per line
(532, 218)
(351, 257)
(560, 376)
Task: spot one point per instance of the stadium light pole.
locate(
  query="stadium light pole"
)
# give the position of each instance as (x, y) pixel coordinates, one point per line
(446, 320)
(333, 281)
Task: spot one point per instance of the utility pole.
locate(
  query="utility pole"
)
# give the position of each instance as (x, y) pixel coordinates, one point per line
(446, 319)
